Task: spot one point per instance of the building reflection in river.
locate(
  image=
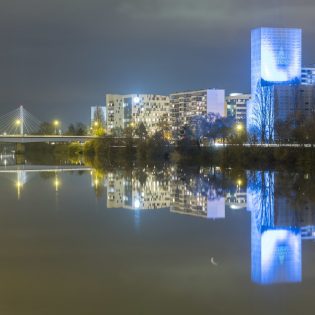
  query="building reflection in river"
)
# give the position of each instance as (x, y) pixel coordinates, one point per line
(281, 206)
(281, 216)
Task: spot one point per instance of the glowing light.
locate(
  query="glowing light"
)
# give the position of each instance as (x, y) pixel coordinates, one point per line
(280, 256)
(239, 127)
(136, 100)
(18, 122)
(57, 184)
(137, 204)
(56, 123)
(19, 184)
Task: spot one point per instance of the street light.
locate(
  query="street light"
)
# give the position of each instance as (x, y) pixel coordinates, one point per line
(56, 124)
(239, 127)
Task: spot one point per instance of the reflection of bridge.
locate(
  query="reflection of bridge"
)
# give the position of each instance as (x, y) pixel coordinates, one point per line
(21, 172)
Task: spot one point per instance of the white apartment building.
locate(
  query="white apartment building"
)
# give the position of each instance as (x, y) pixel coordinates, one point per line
(236, 106)
(126, 110)
(185, 105)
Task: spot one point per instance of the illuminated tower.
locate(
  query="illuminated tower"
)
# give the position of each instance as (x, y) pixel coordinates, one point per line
(275, 60)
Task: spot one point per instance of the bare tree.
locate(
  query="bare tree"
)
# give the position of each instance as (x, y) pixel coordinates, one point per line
(262, 123)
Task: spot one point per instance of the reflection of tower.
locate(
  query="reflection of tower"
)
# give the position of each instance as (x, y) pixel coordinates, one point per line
(275, 251)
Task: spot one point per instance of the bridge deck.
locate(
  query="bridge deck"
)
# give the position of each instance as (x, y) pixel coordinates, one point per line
(30, 139)
(43, 168)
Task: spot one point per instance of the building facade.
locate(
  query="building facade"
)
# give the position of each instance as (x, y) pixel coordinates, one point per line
(308, 75)
(185, 105)
(130, 110)
(275, 60)
(294, 101)
(236, 106)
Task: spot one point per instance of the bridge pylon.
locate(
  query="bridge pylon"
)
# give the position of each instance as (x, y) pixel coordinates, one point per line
(19, 122)
(21, 109)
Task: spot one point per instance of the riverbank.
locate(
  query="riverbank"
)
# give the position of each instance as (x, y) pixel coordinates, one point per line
(109, 152)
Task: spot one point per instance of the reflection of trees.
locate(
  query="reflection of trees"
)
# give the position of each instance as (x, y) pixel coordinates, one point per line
(261, 191)
(211, 183)
(98, 180)
(298, 189)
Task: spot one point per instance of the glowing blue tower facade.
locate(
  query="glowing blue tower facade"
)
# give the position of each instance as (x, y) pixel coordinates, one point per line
(276, 55)
(276, 251)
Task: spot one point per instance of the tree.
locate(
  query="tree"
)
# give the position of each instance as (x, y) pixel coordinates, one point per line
(78, 129)
(46, 128)
(141, 131)
(117, 132)
(262, 117)
(157, 146)
(165, 128)
(99, 117)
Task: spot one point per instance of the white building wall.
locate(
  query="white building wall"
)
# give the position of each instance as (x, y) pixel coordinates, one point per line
(216, 102)
(133, 109)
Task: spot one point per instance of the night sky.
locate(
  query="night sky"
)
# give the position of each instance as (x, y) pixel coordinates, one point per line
(59, 57)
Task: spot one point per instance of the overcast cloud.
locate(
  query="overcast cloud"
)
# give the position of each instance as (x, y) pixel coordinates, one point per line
(59, 57)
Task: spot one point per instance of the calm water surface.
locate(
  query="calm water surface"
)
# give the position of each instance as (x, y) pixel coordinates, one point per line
(155, 241)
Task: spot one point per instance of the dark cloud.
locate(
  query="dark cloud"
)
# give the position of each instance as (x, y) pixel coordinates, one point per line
(58, 57)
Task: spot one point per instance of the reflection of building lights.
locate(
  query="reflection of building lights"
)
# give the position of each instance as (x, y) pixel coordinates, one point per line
(280, 256)
(57, 184)
(137, 204)
(19, 185)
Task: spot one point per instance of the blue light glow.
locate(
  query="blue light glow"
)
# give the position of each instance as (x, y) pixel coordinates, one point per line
(281, 256)
(275, 252)
(275, 59)
(280, 55)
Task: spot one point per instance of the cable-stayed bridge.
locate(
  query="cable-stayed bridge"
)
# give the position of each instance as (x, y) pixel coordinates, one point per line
(20, 126)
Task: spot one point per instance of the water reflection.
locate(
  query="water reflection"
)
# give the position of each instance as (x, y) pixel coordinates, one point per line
(281, 205)
(280, 219)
